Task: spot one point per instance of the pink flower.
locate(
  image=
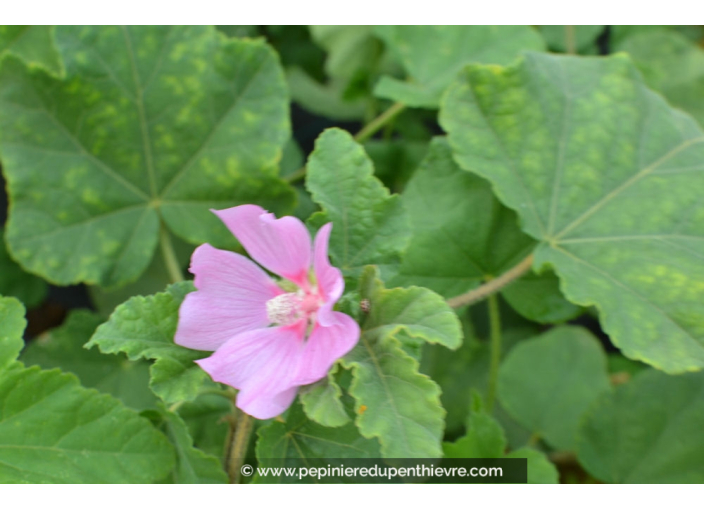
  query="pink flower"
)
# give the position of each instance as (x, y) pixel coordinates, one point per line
(268, 339)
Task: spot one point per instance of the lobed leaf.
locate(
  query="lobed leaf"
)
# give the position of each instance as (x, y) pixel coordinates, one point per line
(201, 121)
(606, 176)
(370, 226)
(12, 324)
(144, 327)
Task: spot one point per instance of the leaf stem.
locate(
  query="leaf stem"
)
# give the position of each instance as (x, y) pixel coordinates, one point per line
(495, 329)
(492, 286)
(375, 125)
(570, 44)
(167, 250)
(241, 430)
(364, 134)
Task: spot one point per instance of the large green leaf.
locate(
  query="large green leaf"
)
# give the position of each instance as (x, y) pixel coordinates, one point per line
(395, 402)
(12, 324)
(480, 239)
(151, 125)
(672, 64)
(370, 226)
(548, 383)
(192, 464)
(300, 439)
(144, 327)
(647, 431)
(208, 425)
(432, 56)
(33, 44)
(28, 288)
(54, 431)
(618, 210)
(63, 348)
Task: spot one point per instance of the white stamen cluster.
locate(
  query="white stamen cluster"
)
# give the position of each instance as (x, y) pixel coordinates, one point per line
(283, 309)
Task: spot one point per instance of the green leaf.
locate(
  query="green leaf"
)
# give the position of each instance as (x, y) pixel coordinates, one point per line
(12, 324)
(432, 56)
(54, 431)
(33, 44)
(321, 402)
(324, 100)
(538, 298)
(206, 417)
(63, 348)
(192, 464)
(484, 439)
(200, 119)
(540, 469)
(578, 38)
(395, 160)
(300, 438)
(647, 431)
(350, 48)
(619, 212)
(671, 64)
(395, 402)
(370, 226)
(548, 383)
(28, 288)
(144, 327)
(452, 255)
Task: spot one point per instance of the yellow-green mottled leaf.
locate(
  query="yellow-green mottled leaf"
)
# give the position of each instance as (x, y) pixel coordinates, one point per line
(608, 177)
(152, 125)
(463, 236)
(33, 44)
(29, 289)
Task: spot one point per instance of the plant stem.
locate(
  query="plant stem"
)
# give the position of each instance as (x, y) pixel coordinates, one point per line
(495, 329)
(365, 133)
(167, 250)
(570, 40)
(492, 286)
(238, 445)
(378, 123)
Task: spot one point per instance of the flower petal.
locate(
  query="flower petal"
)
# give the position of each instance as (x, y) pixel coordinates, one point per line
(231, 298)
(282, 246)
(263, 365)
(325, 345)
(329, 278)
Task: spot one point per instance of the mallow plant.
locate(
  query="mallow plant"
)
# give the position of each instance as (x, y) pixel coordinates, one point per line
(500, 256)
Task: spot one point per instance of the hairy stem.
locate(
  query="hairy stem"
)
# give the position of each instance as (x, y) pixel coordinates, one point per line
(492, 286)
(375, 125)
(167, 250)
(241, 430)
(495, 329)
